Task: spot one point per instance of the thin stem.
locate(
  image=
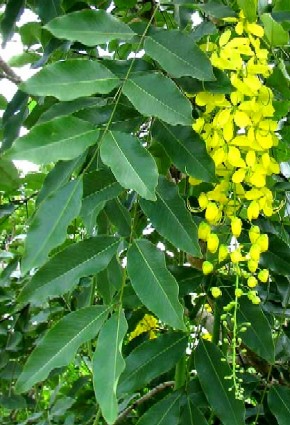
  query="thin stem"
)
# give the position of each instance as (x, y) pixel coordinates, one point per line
(235, 331)
(97, 417)
(9, 73)
(119, 93)
(216, 325)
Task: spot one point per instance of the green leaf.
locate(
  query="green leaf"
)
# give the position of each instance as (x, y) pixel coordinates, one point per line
(153, 283)
(217, 10)
(63, 138)
(165, 412)
(108, 364)
(258, 336)
(71, 79)
(89, 27)
(119, 216)
(9, 179)
(211, 371)
(23, 59)
(63, 271)
(191, 415)
(279, 403)
(186, 150)
(249, 7)
(277, 258)
(59, 176)
(60, 344)
(50, 222)
(171, 218)
(150, 360)
(131, 164)
(99, 186)
(156, 95)
(49, 9)
(12, 13)
(274, 32)
(178, 55)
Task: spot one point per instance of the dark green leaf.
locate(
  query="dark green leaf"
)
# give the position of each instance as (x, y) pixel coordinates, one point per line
(49, 224)
(119, 216)
(90, 27)
(211, 372)
(108, 364)
(60, 274)
(165, 412)
(12, 13)
(178, 55)
(171, 218)
(9, 179)
(186, 150)
(151, 359)
(191, 415)
(60, 344)
(279, 403)
(153, 283)
(59, 176)
(277, 258)
(156, 95)
(63, 138)
(130, 162)
(217, 10)
(99, 186)
(49, 9)
(258, 336)
(71, 79)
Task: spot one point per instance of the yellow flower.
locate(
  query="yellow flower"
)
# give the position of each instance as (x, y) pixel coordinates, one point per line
(239, 176)
(207, 336)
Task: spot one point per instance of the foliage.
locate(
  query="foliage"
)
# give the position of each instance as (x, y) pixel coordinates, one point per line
(145, 266)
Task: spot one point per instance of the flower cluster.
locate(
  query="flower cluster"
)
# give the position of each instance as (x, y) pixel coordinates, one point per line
(149, 324)
(239, 132)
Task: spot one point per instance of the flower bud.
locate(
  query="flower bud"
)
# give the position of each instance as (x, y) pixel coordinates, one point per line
(212, 243)
(263, 275)
(255, 252)
(252, 265)
(202, 200)
(223, 253)
(263, 242)
(216, 292)
(252, 282)
(207, 267)
(253, 210)
(212, 212)
(203, 231)
(236, 256)
(236, 226)
(254, 233)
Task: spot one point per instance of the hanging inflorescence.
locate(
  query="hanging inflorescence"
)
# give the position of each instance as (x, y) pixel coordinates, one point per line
(239, 132)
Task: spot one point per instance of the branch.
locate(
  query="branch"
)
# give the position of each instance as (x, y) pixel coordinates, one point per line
(9, 73)
(142, 400)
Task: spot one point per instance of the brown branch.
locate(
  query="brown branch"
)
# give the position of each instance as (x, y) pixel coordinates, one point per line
(9, 73)
(142, 400)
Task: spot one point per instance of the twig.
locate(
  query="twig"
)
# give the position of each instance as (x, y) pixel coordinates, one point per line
(9, 73)
(142, 400)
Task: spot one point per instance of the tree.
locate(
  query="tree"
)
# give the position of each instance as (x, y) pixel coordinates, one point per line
(145, 267)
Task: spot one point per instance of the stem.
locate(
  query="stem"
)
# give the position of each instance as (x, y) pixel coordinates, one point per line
(235, 331)
(97, 417)
(180, 373)
(216, 325)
